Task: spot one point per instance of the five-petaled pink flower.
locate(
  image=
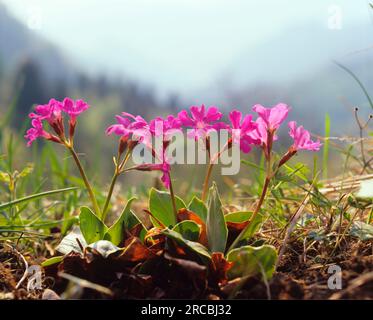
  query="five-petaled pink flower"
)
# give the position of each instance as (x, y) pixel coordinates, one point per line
(242, 132)
(165, 127)
(268, 122)
(302, 138)
(202, 121)
(74, 108)
(272, 117)
(50, 112)
(128, 125)
(35, 132)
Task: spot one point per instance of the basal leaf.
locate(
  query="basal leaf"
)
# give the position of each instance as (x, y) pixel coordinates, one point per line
(93, 229)
(105, 248)
(251, 229)
(238, 217)
(217, 232)
(188, 229)
(160, 205)
(251, 261)
(193, 246)
(198, 207)
(72, 242)
(116, 232)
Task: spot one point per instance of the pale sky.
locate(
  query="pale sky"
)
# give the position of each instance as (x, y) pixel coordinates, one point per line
(175, 44)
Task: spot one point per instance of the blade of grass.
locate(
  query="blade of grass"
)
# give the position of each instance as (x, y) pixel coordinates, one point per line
(326, 147)
(357, 80)
(33, 197)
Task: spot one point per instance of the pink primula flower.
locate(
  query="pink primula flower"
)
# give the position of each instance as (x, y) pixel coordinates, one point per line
(128, 125)
(260, 134)
(50, 112)
(74, 108)
(269, 121)
(202, 121)
(272, 117)
(302, 138)
(35, 132)
(165, 127)
(242, 132)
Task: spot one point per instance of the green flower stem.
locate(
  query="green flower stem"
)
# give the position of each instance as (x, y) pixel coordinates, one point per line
(92, 196)
(172, 196)
(108, 198)
(209, 170)
(117, 173)
(261, 199)
(206, 181)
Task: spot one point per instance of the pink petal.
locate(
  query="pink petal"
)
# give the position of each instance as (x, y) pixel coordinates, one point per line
(235, 118)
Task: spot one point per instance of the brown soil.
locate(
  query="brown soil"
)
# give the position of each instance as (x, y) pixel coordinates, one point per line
(298, 276)
(11, 272)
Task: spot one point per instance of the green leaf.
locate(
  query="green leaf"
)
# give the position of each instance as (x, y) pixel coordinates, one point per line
(238, 217)
(93, 229)
(197, 206)
(4, 177)
(217, 232)
(52, 261)
(195, 247)
(160, 205)
(188, 229)
(251, 261)
(251, 229)
(362, 230)
(105, 248)
(26, 171)
(34, 197)
(116, 232)
(72, 242)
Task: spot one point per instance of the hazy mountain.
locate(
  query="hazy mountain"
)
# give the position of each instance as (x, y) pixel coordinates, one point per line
(18, 43)
(297, 67)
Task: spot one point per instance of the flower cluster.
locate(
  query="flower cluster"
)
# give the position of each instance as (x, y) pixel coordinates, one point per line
(201, 122)
(52, 113)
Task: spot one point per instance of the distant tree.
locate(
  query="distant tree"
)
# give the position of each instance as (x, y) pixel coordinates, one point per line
(61, 89)
(173, 102)
(83, 83)
(102, 86)
(1, 68)
(29, 89)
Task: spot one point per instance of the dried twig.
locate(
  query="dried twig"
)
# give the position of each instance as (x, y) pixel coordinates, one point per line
(24, 277)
